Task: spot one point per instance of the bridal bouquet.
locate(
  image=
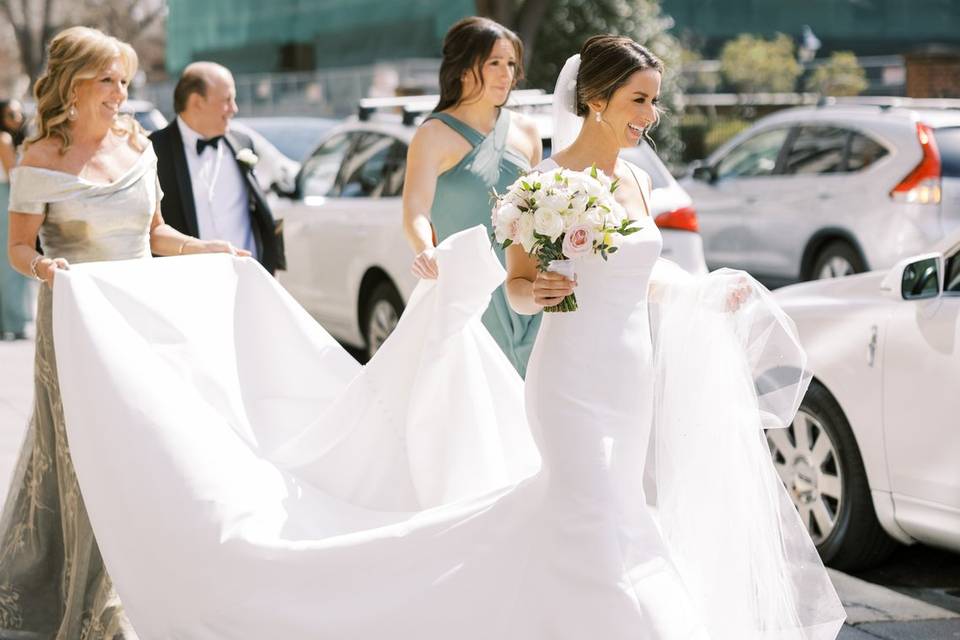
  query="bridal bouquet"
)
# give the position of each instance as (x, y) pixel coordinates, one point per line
(560, 217)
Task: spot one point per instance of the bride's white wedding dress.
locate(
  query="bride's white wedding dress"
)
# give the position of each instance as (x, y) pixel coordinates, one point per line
(276, 489)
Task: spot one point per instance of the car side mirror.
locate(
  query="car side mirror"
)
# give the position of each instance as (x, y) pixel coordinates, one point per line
(704, 173)
(290, 194)
(915, 278)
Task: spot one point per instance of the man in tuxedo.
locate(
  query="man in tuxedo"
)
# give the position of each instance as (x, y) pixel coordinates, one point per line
(206, 170)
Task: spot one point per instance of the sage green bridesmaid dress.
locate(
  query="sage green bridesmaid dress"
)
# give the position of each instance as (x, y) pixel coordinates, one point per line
(464, 199)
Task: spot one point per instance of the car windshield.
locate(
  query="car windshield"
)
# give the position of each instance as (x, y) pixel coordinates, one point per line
(948, 143)
(295, 139)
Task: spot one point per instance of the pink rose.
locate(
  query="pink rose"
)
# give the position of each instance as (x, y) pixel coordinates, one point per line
(578, 242)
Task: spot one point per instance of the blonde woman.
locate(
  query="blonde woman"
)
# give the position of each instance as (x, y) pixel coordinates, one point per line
(87, 186)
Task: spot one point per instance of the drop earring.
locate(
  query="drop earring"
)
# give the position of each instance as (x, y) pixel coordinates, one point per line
(599, 119)
(72, 113)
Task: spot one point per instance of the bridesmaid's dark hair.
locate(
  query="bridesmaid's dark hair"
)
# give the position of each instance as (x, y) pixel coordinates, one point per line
(606, 63)
(466, 46)
(17, 134)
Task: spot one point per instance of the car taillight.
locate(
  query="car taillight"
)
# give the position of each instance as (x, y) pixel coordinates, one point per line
(922, 185)
(684, 219)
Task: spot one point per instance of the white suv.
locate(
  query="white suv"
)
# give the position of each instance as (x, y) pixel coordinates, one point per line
(348, 262)
(816, 192)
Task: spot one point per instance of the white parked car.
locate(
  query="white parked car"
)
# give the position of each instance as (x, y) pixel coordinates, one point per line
(348, 262)
(873, 457)
(817, 192)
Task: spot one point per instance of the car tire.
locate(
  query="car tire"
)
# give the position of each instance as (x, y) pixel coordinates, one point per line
(837, 259)
(855, 540)
(381, 312)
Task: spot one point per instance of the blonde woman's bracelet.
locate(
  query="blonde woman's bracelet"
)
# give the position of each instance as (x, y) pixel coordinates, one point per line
(33, 267)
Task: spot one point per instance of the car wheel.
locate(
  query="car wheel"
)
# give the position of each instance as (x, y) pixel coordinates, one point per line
(837, 259)
(381, 315)
(819, 462)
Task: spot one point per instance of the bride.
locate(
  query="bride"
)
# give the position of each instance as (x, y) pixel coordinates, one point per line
(289, 492)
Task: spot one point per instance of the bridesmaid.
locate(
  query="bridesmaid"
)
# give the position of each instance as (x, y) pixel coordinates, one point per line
(14, 304)
(467, 148)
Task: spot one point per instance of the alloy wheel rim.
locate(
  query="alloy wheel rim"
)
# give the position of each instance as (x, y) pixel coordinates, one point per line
(807, 462)
(383, 320)
(835, 267)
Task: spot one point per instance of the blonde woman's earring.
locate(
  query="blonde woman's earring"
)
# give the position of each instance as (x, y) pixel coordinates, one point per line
(599, 119)
(72, 113)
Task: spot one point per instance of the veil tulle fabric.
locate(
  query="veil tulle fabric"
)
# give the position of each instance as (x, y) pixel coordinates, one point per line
(734, 533)
(566, 122)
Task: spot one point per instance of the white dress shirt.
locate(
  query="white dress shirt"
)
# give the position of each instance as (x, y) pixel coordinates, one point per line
(219, 192)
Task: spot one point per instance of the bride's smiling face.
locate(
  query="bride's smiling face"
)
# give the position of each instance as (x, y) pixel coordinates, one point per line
(632, 108)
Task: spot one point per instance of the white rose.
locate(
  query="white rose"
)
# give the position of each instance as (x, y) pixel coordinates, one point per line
(504, 221)
(524, 229)
(548, 222)
(593, 216)
(578, 181)
(555, 202)
(578, 203)
(596, 190)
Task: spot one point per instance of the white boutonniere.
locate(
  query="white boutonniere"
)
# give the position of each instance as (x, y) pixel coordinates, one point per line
(247, 158)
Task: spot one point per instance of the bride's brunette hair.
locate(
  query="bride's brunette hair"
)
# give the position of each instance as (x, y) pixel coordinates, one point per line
(75, 54)
(466, 46)
(606, 63)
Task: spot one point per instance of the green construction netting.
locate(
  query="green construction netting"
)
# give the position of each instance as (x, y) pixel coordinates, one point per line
(248, 35)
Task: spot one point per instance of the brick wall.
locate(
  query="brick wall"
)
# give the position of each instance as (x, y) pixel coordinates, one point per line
(933, 74)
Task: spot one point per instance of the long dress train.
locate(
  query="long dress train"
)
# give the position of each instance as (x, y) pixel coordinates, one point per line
(278, 489)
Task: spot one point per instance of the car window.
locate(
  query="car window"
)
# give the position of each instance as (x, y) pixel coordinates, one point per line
(395, 170)
(756, 156)
(948, 143)
(816, 150)
(951, 283)
(864, 151)
(319, 174)
(364, 171)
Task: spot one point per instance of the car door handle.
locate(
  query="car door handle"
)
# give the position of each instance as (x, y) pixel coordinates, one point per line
(824, 196)
(750, 199)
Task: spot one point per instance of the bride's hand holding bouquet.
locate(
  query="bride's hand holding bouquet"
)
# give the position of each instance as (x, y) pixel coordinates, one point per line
(561, 217)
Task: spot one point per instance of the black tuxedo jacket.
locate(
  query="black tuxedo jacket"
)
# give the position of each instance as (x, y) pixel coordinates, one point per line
(179, 209)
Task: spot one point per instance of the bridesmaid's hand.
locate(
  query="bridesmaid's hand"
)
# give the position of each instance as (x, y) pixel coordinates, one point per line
(425, 265)
(551, 288)
(738, 295)
(47, 269)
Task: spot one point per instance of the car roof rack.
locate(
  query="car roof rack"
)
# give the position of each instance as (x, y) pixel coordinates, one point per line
(885, 103)
(412, 107)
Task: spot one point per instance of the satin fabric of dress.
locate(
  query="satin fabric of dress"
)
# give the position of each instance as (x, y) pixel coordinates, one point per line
(281, 490)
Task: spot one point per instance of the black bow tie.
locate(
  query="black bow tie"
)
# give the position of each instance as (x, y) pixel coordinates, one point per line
(203, 144)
